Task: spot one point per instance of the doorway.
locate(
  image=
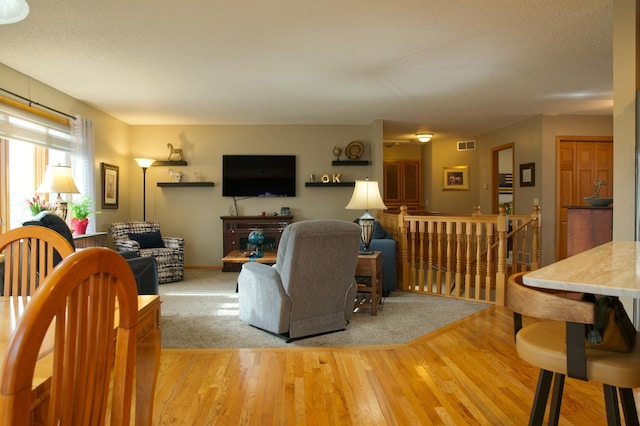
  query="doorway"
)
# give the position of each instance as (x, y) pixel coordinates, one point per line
(502, 178)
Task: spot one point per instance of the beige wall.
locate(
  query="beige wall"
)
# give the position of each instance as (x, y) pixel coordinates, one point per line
(444, 153)
(194, 213)
(111, 135)
(535, 142)
(625, 71)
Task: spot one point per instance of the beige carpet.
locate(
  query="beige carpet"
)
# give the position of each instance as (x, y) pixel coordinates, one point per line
(202, 312)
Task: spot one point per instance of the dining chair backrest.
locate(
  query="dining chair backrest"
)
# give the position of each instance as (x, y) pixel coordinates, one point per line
(544, 303)
(82, 299)
(29, 256)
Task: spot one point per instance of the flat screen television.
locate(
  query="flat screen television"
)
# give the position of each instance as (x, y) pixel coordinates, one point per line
(258, 175)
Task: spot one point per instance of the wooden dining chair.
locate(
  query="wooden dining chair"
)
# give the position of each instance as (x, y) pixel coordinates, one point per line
(30, 253)
(556, 344)
(84, 296)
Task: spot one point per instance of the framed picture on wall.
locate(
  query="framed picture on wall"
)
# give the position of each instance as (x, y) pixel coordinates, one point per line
(455, 178)
(110, 185)
(528, 174)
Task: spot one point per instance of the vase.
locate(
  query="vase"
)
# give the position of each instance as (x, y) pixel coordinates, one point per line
(256, 239)
(80, 226)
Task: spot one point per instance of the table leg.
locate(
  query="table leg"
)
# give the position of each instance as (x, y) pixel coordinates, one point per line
(147, 366)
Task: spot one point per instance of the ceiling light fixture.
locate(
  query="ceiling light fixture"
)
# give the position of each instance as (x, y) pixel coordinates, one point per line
(12, 11)
(424, 137)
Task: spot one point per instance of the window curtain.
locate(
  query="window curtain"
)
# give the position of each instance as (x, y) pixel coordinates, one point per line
(82, 161)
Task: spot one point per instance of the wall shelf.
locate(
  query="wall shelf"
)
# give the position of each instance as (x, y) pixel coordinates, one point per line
(169, 163)
(183, 184)
(350, 163)
(319, 184)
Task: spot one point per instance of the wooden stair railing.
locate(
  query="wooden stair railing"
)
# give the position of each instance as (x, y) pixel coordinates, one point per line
(467, 257)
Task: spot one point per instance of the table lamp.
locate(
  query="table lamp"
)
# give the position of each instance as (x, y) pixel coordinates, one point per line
(366, 195)
(58, 179)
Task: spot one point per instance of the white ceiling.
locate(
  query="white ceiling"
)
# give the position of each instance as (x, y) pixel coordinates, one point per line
(457, 68)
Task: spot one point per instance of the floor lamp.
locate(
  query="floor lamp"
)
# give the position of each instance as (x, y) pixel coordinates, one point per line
(58, 179)
(144, 163)
(366, 195)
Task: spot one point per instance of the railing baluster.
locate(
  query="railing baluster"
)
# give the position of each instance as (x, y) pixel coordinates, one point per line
(421, 229)
(449, 260)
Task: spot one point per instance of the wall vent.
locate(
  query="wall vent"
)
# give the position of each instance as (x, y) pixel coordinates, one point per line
(466, 145)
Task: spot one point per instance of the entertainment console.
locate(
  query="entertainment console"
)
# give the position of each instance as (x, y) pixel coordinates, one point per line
(236, 229)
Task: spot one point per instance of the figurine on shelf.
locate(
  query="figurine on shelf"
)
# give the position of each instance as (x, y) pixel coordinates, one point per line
(337, 151)
(176, 151)
(177, 176)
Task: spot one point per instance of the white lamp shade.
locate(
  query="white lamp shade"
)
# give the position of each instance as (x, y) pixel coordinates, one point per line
(144, 162)
(58, 179)
(366, 196)
(424, 137)
(12, 11)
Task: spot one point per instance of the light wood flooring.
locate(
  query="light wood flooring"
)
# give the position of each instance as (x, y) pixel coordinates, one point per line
(465, 373)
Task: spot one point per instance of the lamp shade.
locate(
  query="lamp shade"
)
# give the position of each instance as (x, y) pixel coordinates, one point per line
(12, 11)
(424, 137)
(144, 162)
(58, 179)
(366, 195)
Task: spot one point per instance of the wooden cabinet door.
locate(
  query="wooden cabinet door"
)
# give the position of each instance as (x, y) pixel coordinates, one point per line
(392, 182)
(411, 182)
(579, 161)
(402, 184)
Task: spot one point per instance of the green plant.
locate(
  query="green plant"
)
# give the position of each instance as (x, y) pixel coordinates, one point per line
(82, 208)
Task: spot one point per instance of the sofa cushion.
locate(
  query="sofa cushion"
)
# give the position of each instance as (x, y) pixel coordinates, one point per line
(148, 239)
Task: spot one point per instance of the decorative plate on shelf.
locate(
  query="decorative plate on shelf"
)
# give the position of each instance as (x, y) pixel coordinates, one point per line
(354, 150)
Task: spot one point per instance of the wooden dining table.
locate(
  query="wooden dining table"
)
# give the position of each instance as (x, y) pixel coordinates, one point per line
(611, 269)
(147, 355)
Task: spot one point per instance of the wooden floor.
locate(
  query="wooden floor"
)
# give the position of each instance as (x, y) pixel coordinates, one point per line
(465, 373)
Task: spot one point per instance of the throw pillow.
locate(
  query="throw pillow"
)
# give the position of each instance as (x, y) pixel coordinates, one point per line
(148, 239)
(379, 233)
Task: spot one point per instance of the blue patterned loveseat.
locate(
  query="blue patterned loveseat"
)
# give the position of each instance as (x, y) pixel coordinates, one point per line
(145, 239)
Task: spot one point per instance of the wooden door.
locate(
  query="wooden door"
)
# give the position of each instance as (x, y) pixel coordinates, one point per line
(579, 161)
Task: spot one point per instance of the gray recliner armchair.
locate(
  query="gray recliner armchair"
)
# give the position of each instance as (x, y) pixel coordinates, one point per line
(311, 288)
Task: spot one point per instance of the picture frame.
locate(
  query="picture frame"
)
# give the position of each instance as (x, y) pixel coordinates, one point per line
(110, 185)
(528, 174)
(455, 178)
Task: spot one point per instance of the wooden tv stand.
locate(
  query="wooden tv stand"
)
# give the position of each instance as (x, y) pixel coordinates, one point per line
(236, 230)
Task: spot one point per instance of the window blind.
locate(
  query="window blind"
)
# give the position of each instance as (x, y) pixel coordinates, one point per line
(23, 126)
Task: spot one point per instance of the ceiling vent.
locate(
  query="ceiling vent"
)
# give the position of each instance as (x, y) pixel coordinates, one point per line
(466, 145)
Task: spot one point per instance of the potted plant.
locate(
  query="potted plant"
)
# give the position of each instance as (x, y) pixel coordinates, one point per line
(80, 211)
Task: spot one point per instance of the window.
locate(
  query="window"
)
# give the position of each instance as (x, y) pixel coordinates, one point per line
(26, 164)
(28, 142)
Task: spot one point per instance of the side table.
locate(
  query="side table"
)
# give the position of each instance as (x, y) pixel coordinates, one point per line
(98, 239)
(369, 265)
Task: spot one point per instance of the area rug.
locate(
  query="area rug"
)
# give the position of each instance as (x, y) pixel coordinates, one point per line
(202, 312)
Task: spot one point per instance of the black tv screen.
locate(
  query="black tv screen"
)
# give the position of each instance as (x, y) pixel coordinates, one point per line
(258, 175)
